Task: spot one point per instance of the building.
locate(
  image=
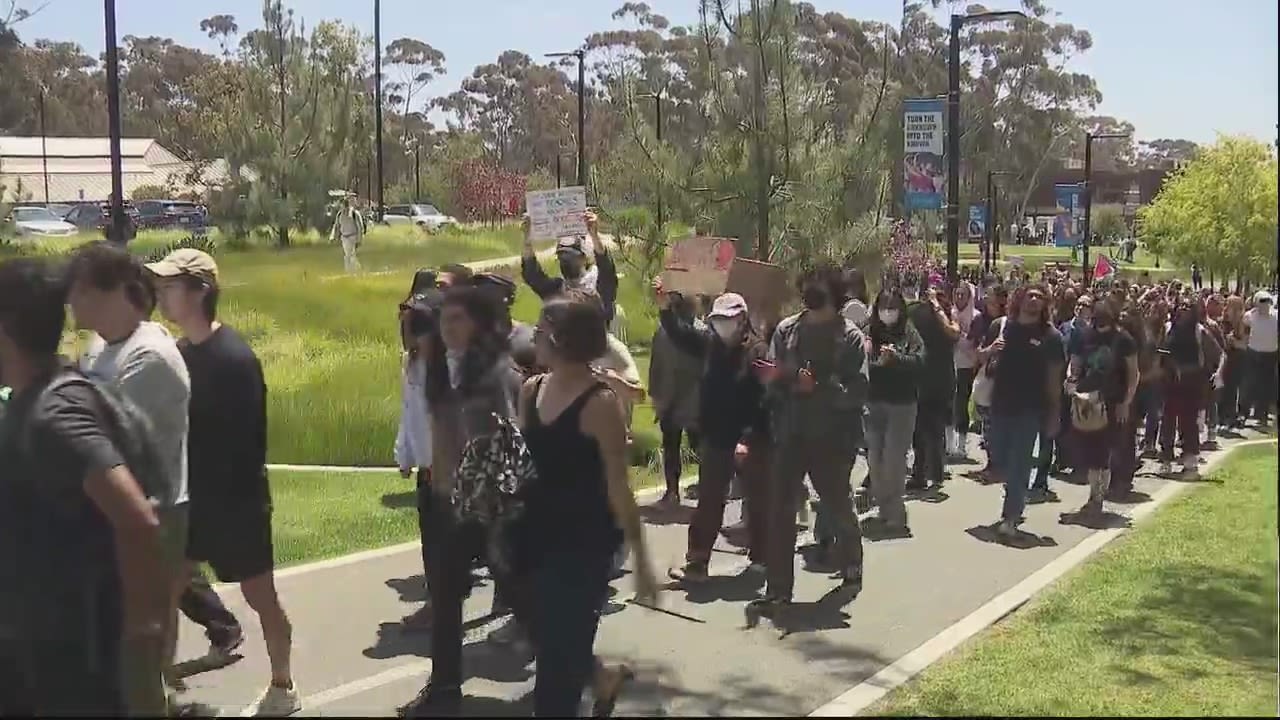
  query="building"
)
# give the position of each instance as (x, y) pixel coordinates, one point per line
(80, 168)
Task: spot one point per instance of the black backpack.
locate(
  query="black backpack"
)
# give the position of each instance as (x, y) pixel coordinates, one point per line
(130, 430)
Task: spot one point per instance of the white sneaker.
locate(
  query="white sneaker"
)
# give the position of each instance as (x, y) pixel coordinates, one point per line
(275, 701)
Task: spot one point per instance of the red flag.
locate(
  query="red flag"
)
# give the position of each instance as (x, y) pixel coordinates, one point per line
(1104, 267)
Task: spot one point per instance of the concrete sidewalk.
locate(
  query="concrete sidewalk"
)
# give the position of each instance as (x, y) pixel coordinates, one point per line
(695, 657)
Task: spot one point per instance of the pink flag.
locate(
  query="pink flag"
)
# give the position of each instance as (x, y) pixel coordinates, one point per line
(1104, 267)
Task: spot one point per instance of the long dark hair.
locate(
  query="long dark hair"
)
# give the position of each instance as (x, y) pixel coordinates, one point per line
(1014, 309)
(887, 298)
(490, 343)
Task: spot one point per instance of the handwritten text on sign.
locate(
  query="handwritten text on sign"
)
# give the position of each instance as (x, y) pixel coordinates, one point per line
(699, 265)
(557, 213)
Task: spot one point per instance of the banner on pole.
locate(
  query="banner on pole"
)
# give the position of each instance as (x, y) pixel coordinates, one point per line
(1103, 267)
(1068, 221)
(977, 222)
(556, 213)
(923, 172)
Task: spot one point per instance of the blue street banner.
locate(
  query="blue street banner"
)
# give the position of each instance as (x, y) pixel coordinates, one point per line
(977, 222)
(1068, 220)
(923, 172)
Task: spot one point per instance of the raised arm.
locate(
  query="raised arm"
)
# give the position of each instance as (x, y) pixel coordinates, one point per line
(531, 270)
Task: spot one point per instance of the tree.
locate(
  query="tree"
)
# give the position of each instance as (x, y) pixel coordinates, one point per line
(1218, 211)
(418, 64)
(1108, 222)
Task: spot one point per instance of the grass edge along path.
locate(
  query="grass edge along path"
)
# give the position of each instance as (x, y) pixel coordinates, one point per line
(319, 514)
(1177, 617)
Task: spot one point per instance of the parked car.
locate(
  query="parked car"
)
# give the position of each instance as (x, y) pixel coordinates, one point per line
(95, 216)
(424, 216)
(34, 221)
(159, 214)
(60, 209)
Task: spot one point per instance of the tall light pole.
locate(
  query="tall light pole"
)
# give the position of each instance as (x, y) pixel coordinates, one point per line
(377, 80)
(657, 124)
(1088, 194)
(116, 228)
(953, 132)
(992, 253)
(44, 148)
(582, 110)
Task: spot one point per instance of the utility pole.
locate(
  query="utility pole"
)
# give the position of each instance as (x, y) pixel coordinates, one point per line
(116, 229)
(44, 148)
(377, 122)
(1085, 271)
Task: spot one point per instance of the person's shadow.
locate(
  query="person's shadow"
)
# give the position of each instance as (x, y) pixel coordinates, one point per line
(1020, 539)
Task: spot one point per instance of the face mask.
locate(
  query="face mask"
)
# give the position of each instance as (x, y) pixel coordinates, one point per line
(910, 294)
(888, 317)
(726, 328)
(570, 269)
(814, 298)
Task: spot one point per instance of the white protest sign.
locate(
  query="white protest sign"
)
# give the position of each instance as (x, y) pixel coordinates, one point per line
(556, 213)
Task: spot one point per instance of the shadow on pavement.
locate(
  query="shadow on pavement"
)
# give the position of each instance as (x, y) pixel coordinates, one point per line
(411, 589)
(1102, 521)
(1133, 497)
(743, 586)
(1021, 540)
(393, 641)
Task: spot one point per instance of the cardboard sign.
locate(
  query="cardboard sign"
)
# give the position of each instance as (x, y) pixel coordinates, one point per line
(698, 265)
(556, 213)
(763, 285)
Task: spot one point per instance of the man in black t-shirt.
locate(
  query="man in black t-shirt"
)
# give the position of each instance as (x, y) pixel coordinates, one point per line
(937, 385)
(1027, 353)
(230, 516)
(81, 562)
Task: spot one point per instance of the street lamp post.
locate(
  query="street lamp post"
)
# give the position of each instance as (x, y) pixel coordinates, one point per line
(377, 121)
(116, 228)
(1088, 195)
(993, 206)
(582, 110)
(657, 123)
(417, 172)
(953, 132)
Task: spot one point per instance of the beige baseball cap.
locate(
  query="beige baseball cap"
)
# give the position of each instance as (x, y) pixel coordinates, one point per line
(186, 261)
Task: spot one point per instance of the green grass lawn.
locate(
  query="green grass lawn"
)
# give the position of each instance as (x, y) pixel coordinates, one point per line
(1177, 618)
(320, 515)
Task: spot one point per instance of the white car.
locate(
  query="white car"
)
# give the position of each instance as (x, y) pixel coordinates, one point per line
(424, 216)
(32, 220)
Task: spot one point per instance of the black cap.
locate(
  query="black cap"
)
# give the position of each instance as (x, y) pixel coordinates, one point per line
(503, 284)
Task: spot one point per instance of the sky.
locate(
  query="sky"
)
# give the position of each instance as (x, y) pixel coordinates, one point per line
(1189, 72)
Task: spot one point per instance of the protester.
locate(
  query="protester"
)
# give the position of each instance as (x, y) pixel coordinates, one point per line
(855, 308)
(1153, 373)
(111, 295)
(929, 311)
(993, 308)
(896, 362)
(964, 359)
(577, 511)
(1186, 370)
(1102, 378)
(1213, 311)
(572, 258)
(817, 385)
(469, 378)
(230, 506)
(1261, 357)
(1028, 356)
(1232, 408)
(84, 570)
(419, 316)
(674, 390)
(734, 423)
(348, 229)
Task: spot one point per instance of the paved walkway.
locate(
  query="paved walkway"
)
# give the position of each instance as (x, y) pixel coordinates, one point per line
(695, 657)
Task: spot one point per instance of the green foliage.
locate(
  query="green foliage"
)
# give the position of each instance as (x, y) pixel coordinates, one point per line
(1108, 222)
(151, 192)
(1219, 211)
(203, 243)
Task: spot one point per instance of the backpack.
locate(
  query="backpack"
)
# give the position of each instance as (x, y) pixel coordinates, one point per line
(131, 431)
(492, 474)
(984, 383)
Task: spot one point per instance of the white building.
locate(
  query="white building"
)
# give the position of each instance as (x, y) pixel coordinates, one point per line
(80, 168)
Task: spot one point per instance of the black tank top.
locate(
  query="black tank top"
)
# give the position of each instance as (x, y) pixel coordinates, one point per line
(567, 507)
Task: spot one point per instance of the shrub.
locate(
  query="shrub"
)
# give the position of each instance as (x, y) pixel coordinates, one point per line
(203, 243)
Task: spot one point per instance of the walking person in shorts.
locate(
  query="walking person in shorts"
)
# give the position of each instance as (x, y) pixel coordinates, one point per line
(230, 519)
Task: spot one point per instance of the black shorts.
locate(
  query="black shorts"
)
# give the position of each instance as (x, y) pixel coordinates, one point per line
(235, 543)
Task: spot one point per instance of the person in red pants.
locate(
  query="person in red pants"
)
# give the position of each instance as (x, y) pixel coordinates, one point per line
(1186, 352)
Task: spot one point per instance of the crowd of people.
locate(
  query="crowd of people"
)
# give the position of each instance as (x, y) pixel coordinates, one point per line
(146, 457)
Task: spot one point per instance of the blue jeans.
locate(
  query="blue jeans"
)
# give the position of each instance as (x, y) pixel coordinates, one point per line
(1012, 457)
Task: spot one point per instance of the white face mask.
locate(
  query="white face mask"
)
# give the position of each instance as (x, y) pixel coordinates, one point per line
(726, 328)
(889, 317)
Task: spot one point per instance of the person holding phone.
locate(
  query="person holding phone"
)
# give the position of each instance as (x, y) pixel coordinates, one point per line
(817, 389)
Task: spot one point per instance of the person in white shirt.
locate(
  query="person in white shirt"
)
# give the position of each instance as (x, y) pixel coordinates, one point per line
(348, 229)
(965, 357)
(1260, 356)
(418, 320)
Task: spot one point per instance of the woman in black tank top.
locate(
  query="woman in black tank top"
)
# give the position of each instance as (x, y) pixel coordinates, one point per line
(577, 512)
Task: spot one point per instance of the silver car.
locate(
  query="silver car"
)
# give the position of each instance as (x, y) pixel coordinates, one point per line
(34, 221)
(424, 216)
